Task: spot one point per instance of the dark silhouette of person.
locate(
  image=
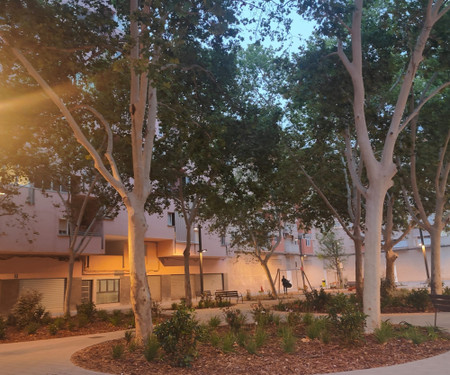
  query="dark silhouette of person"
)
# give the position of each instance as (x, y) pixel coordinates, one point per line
(286, 284)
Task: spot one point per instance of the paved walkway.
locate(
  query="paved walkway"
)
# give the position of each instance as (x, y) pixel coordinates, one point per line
(52, 357)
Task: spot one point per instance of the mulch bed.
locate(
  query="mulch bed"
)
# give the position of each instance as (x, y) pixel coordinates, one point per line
(310, 357)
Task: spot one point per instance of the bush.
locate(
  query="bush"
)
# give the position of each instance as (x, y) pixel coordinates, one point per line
(419, 299)
(288, 339)
(347, 319)
(87, 309)
(59, 323)
(206, 302)
(318, 329)
(2, 328)
(31, 328)
(82, 320)
(128, 336)
(234, 318)
(117, 351)
(261, 315)
(214, 321)
(103, 315)
(228, 342)
(260, 337)
(384, 333)
(317, 301)
(151, 348)
(294, 318)
(28, 309)
(414, 334)
(116, 318)
(52, 329)
(178, 336)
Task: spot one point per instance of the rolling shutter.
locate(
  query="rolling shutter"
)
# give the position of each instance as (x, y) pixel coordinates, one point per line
(52, 291)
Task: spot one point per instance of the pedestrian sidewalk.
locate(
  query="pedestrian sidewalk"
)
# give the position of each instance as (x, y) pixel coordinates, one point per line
(52, 357)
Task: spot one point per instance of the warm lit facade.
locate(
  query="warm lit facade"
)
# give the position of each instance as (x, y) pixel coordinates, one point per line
(35, 257)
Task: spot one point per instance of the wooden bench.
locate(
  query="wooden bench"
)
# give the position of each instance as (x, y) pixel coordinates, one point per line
(228, 294)
(440, 303)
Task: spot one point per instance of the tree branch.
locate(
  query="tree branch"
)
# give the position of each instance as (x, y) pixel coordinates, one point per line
(351, 164)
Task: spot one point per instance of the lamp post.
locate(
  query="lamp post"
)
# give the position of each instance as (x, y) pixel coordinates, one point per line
(424, 254)
(200, 252)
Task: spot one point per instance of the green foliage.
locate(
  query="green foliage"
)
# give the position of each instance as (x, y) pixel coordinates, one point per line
(307, 319)
(82, 320)
(28, 309)
(251, 345)
(151, 348)
(384, 333)
(88, 309)
(446, 290)
(433, 333)
(333, 253)
(214, 339)
(242, 338)
(319, 329)
(280, 306)
(294, 318)
(234, 318)
(261, 315)
(2, 328)
(214, 321)
(260, 337)
(288, 339)
(228, 342)
(103, 315)
(317, 301)
(414, 334)
(178, 337)
(347, 319)
(116, 318)
(32, 327)
(52, 329)
(117, 351)
(419, 299)
(59, 323)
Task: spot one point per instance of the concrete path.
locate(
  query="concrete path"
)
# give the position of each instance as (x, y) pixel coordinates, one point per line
(52, 357)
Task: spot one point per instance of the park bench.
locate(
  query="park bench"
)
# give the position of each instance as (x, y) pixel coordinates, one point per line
(228, 294)
(440, 303)
(206, 293)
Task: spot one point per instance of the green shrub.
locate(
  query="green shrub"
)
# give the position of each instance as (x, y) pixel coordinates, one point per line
(414, 334)
(347, 319)
(178, 336)
(28, 309)
(133, 346)
(228, 342)
(384, 333)
(419, 299)
(88, 309)
(260, 337)
(31, 328)
(318, 329)
(307, 319)
(70, 325)
(242, 338)
(174, 306)
(214, 339)
(206, 302)
(82, 320)
(52, 329)
(59, 323)
(103, 315)
(214, 321)
(433, 333)
(2, 328)
(288, 339)
(116, 318)
(317, 301)
(234, 318)
(261, 315)
(446, 290)
(151, 348)
(117, 351)
(251, 346)
(281, 306)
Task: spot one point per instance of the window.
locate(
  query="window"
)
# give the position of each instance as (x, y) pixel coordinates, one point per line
(108, 291)
(63, 229)
(171, 219)
(223, 241)
(308, 239)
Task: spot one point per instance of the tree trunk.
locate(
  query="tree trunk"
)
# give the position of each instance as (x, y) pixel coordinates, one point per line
(68, 292)
(390, 261)
(269, 277)
(187, 274)
(436, 280)
(139, 291)
(374, 216)
(358, 261)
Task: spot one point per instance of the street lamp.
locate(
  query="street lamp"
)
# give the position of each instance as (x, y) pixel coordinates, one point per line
(200, 252)
(424, 254)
